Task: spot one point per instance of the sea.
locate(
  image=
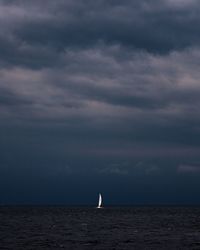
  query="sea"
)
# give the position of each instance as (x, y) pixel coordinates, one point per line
(110, 228)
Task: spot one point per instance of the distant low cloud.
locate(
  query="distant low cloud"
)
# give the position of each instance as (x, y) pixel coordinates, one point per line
(193, 169)
(131, 168)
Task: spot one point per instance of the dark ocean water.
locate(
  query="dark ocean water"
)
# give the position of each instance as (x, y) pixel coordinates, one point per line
(107, 228)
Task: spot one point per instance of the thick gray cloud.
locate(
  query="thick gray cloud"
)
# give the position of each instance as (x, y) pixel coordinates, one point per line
(99, 92)
(35, 34)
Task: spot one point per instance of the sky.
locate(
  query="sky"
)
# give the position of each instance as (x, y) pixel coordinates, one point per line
(99, 96)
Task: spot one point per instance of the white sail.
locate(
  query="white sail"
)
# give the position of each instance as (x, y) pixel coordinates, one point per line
(100, 201)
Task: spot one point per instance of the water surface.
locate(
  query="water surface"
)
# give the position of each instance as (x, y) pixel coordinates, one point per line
(108, 228)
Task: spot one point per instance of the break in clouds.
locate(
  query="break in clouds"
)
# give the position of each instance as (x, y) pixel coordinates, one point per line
(116, 79)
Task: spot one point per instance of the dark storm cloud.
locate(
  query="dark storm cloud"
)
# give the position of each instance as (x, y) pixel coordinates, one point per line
(93, 90)
(35, 34)
(15, 52)
(7, 98)
(139, 94)
(148, 25)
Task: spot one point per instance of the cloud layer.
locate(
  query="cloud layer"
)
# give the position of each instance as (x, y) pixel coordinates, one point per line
(85, 80)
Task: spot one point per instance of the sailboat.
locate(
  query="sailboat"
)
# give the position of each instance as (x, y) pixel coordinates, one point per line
(100, 201)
